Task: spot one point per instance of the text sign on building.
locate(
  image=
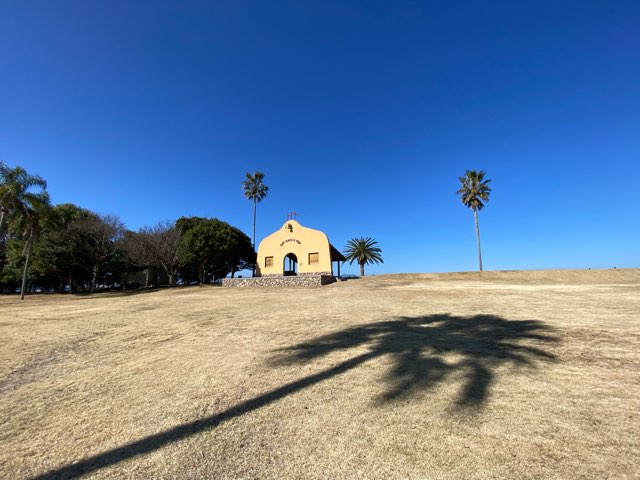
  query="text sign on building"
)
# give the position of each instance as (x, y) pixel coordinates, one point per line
(291, 240)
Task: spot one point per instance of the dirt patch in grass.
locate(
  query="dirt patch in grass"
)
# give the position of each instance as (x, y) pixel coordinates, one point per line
(472, 375)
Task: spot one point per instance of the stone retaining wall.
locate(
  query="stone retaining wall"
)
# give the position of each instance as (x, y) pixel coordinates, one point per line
(303, 274)
(280, 281)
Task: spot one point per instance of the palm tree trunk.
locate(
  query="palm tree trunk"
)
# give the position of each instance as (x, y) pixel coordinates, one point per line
(475, 218)
(94, 278)
(26, 267)
(1, 224)
(362, 269)
(1, 219)
(253, 239)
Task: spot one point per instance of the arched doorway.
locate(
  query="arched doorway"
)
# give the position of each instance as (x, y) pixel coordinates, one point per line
(290, 267)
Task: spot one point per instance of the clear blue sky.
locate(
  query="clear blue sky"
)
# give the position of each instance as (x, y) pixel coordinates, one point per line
(154, 110)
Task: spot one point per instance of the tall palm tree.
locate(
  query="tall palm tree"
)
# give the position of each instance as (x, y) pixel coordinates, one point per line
(16, 192)
(474, 190)
(364, 251)
(254, 189)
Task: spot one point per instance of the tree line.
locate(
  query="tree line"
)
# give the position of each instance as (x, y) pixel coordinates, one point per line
(62, 247)
(70, 248)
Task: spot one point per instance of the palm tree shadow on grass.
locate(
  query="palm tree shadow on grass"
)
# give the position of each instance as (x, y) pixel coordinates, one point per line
(422, 349)
(418, 346)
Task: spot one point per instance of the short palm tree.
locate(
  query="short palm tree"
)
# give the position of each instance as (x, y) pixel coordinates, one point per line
(16, 193)
(364, 251)
(474, 191)
(254, 189)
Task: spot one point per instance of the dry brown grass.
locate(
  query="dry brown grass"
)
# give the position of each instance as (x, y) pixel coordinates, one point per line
(452, 376)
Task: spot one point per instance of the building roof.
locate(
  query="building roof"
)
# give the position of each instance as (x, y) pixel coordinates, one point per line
(336, 256)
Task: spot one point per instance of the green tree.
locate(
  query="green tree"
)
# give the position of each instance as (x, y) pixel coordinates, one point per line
(17, 193)
(23, 200)
(58, 254)
(474, 191)
(13, 264)
(363, 251)
(255, 190)
(241, 254)
(213, 247)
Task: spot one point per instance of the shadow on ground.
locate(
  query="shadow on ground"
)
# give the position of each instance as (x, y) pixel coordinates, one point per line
(427, 350)
(418, 347)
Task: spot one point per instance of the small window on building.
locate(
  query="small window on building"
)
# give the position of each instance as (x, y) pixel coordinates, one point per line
(314, 259)
(268, 262)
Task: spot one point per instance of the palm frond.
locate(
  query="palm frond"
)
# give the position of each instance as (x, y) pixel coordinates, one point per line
(254, 187)
(363, 250)
(17, 196)
(474, 190)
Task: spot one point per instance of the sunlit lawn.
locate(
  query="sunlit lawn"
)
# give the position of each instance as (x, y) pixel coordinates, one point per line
(499, 375)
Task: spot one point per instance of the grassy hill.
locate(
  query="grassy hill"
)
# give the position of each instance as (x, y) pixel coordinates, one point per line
(466, 375)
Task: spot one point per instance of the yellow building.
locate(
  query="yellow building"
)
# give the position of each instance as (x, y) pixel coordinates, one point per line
(297, 250)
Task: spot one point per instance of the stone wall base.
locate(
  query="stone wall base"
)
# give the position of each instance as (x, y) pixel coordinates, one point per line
(280, 281)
